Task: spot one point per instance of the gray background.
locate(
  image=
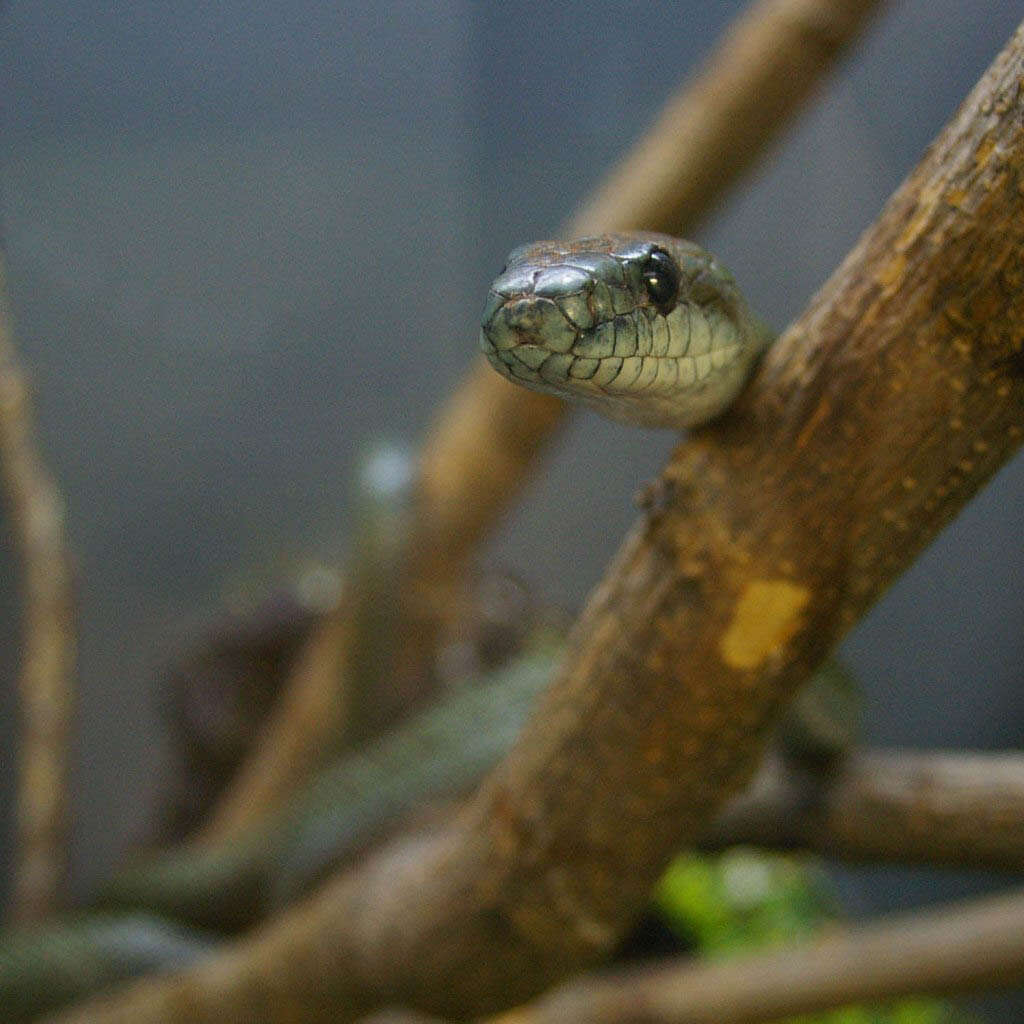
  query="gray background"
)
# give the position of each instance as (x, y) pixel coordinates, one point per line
(245, 237)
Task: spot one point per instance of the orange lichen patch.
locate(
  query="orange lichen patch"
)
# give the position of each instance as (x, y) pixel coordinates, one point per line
(766, 615)
(891, 274)
(985, 149)
(956, 197)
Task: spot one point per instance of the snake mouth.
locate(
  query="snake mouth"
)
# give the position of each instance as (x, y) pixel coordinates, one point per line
(531, 341)
(528, 337)
(547, 325)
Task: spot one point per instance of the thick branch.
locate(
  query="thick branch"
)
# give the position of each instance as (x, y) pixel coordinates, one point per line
(944, 952)
(873, 420)
(902, 807)
(46, 687)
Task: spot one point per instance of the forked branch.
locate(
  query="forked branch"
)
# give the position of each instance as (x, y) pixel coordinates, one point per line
(872, 421)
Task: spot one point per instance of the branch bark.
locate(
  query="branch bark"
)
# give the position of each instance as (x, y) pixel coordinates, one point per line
(872, 421)
(944, 952)
(901, 807)
(45, 686)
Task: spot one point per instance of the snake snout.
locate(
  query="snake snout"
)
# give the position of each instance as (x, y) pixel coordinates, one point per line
(531, 320)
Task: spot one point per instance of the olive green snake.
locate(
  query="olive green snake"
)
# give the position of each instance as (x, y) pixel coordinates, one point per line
(641, 327)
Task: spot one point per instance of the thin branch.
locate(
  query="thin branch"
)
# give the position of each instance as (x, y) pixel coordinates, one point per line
(901, 807)
(961, 948)
(399, 1016)
(344, 686)
(714, 129)
(871, 423)
(46, 679)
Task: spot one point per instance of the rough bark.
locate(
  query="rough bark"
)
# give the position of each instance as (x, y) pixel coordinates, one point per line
(46, 677)
(872, 421)
(943, 952)
(900, 806)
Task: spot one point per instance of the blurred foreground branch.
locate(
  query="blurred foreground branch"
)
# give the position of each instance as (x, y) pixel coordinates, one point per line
(871, 422)
(46, 687)
(966, 947)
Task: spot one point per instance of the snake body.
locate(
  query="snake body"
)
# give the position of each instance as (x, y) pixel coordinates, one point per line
(642, 327)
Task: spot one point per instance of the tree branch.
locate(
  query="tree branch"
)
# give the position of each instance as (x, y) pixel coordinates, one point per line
(46, 687)
(872, 421)
(342, 688)
(710, 132)
(957, 949)
(490, 432)
(901, 807)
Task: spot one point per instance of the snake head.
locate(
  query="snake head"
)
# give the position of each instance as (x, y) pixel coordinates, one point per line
(643, 328)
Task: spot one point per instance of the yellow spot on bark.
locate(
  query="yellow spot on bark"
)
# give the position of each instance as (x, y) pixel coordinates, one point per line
(890, 274)
(955, 197)
(984, 151)
(766, 615)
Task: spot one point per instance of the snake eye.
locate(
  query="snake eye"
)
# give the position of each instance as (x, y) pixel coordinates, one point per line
(661, 279)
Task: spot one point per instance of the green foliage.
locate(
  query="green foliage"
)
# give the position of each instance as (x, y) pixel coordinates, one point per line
(745, 900)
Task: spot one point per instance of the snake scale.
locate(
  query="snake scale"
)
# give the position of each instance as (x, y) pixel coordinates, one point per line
(643, 328)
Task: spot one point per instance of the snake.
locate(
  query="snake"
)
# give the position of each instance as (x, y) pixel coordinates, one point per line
(644, 328)
(641, 327)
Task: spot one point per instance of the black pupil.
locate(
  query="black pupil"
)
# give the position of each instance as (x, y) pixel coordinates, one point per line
(661, 279)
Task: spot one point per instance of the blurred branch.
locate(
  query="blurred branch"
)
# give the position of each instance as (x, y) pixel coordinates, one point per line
(46, 687)
(901, 807)
(306, 719)
(870, 424)
(710, 132)
(398, 1016)
(960, 948)
(485, 440)
(345, 685)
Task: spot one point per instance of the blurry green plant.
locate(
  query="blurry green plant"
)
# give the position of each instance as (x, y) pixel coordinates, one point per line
(745, 900)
